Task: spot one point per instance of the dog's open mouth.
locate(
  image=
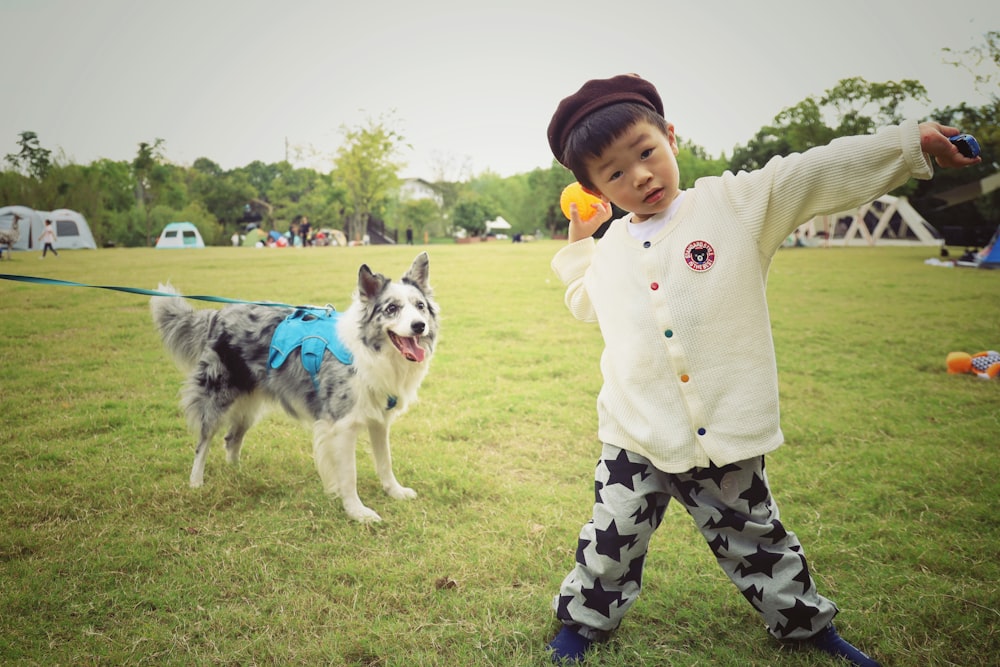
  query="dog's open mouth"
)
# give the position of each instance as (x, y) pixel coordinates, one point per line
(408, 347)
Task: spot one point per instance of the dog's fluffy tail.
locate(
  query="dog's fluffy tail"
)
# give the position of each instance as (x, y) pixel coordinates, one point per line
(183, 329)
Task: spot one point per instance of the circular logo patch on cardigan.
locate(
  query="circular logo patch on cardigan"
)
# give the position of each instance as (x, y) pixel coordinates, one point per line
(699, 255)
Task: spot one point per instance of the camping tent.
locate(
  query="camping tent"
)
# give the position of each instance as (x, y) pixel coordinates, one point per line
(989, 257)
(496, 223)
(278, 239)
(886, 221)
(327, 236)
(253, 237)
(72, 230)
(25, 225)
(180, 235)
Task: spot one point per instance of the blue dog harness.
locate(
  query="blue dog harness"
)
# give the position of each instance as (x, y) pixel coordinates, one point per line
(314, 331)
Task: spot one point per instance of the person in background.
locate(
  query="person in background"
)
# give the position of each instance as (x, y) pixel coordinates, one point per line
(48, 239)
(304, 229)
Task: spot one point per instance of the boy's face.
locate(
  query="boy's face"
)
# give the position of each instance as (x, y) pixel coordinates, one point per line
(638, 171)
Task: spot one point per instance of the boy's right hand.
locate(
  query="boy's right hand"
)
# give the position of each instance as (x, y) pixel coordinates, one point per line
(934, 140)
(580, 229)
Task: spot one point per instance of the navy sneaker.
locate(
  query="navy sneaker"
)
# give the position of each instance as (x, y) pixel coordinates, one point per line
(828, 641)
(569, 646)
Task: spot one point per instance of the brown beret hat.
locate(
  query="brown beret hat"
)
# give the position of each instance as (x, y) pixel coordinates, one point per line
(593, 95)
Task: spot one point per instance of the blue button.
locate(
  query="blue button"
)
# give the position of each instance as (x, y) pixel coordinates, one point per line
(669, 333)
(646, 244)
(701, 431)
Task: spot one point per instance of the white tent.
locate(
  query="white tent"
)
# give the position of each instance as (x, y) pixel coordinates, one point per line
(180, 235)
(496, 223)
(72, 230)
(967, 191)
(25, 225)
(886, 221)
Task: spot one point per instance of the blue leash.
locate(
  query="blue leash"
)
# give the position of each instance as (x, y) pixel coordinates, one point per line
(313, 368)
(137, 290)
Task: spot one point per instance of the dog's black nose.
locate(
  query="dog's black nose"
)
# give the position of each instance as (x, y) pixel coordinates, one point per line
(418, 327)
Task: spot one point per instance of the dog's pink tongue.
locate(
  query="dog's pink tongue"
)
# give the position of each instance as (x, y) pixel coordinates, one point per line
(411, 350)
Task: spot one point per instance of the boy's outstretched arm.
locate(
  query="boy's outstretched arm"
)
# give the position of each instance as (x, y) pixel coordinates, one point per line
(934, 142)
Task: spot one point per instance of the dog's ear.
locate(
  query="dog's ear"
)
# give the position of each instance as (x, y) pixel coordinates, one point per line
(370, 285)
(419, 272)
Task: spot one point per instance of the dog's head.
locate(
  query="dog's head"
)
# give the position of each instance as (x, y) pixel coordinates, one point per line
(403, 312)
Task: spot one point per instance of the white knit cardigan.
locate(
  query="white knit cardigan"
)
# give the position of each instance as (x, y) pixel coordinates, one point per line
(689, 367)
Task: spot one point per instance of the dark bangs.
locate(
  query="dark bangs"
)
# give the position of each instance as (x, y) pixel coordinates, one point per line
(600, 129)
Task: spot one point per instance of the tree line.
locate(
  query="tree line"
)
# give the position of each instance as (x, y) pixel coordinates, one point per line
(128, 202)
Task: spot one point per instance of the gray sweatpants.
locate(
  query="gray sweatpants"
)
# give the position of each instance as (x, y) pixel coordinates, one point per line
(731, 506)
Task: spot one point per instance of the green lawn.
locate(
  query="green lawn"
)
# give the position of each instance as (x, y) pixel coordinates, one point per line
(890, 475)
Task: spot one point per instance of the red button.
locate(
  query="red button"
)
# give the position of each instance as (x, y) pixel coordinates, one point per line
(654, 286)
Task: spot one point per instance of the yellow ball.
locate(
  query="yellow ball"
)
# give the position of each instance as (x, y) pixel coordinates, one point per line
(574, 193)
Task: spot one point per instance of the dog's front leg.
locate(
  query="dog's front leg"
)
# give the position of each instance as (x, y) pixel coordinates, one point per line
(334, 446)
(379, 433)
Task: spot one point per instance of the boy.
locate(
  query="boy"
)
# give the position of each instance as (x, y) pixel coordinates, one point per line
(689, 404)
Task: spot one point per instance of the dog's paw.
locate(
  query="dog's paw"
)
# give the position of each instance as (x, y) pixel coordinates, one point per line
(359, 512)
(401, 493)
(365, 515)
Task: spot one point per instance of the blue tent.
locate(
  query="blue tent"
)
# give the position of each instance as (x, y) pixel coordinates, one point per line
(989, 257)
(278, 239)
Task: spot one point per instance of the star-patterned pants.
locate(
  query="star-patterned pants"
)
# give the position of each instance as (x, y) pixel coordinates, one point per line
(733, 509)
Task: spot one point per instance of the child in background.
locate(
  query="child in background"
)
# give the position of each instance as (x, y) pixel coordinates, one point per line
(48, 239)
(689, 403)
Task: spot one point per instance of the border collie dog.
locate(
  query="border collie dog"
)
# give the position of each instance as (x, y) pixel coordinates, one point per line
(336, 372)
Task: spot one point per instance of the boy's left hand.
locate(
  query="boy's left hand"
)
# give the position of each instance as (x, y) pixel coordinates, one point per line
(934, 141)
(582, 229)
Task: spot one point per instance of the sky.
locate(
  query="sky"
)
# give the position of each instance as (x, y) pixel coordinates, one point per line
(469, 85)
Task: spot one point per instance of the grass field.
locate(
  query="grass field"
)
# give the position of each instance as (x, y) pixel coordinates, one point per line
(890, 475)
